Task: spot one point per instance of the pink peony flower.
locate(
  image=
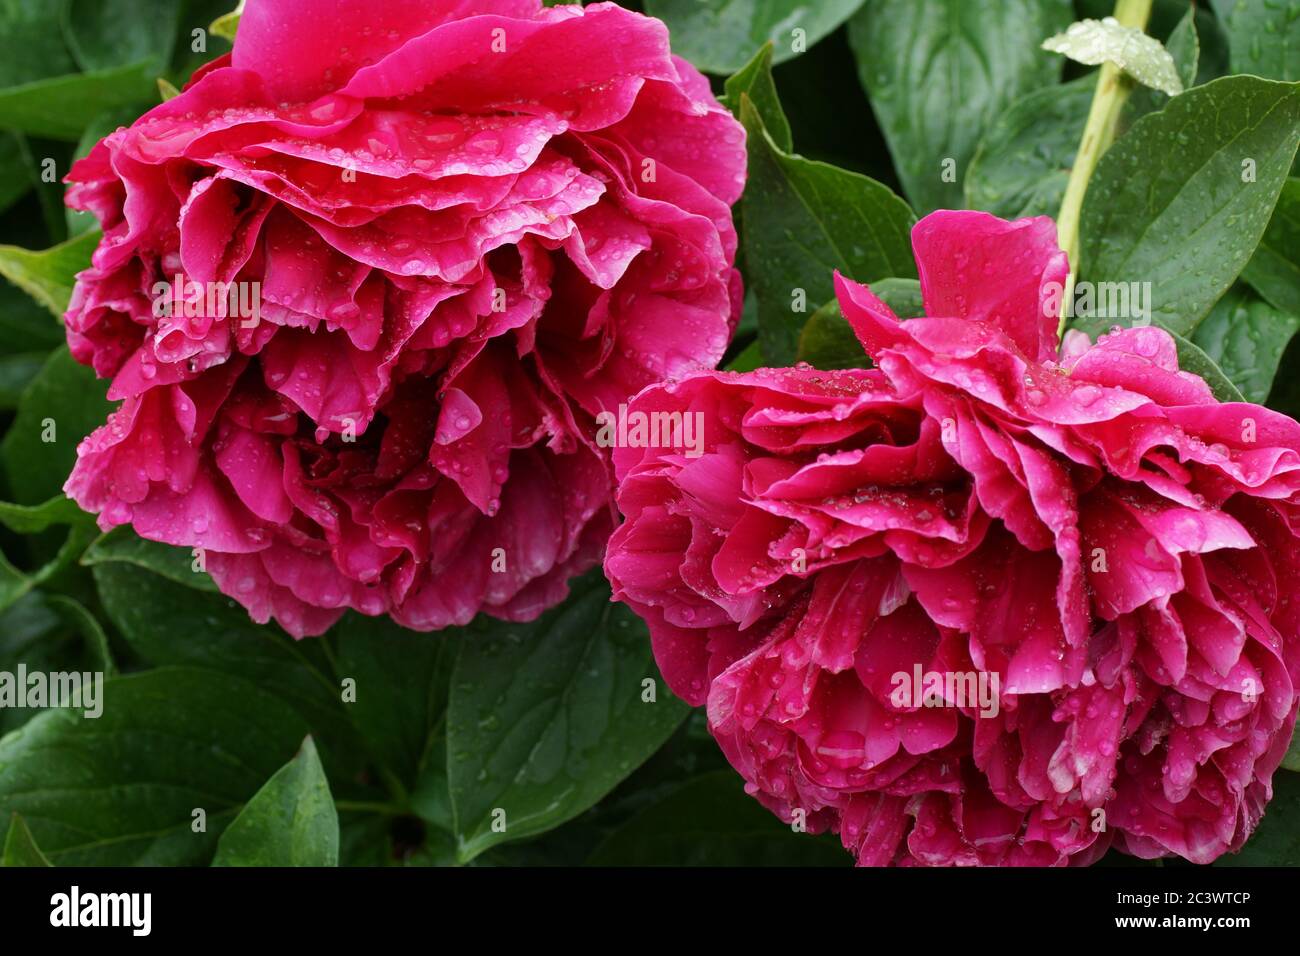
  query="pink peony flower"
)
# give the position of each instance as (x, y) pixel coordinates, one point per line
(443, 236)
(1091, 538)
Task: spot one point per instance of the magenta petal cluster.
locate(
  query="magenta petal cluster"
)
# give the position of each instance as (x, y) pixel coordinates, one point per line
(365, 285)
(1087, 534)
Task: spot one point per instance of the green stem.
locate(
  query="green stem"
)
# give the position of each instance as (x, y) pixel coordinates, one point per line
(1113, 89)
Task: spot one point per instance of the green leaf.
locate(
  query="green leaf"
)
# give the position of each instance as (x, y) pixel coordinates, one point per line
(75, 614)
(48, 633)
(196, 31)
(226, 25)
(1185, 47)
(749, 359)
(25, 325)
(754, 80)
(802, 221)
(49, 275)
(1168, 204)
(1143, 57)
(16, 373)
(401, 681)
(122, 789)
(13, 583)
(1274, 270)
(15, 174)
(545, 718)
(60, 108)
(169, 624)
(828, 341)
(1276, 842)
(29, 519)
(31, 41)
(43, 170)
(20, 847)
(122, 545)
(1292, 759)
(718, 36)
(939, 72)
(103, 34)
(1263, 36)
(1246, 338)
(67, 394)
(80, 222)
(903, 296)
(1024, 160)
(291, 821)
(364, 839)
(1213, 39)
(710, 821)
(1191, 358)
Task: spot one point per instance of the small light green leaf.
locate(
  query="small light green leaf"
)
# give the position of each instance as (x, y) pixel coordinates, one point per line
(20, 847)
(828, 341)
(903, 296)
(166, 90)
(1246, 338)
(1184, 46)
(1182, 199)
(226, 25)
(49, 275)
(291, 821)
(1108, 41)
